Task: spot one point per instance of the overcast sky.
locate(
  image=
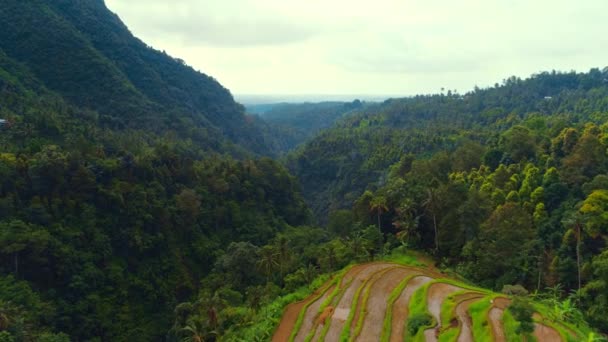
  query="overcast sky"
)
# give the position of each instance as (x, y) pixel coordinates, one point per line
(379, 47)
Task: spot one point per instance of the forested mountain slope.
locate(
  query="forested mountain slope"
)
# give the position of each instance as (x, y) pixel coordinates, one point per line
(292, 124)
(83, 52)
(505, 185)
(118, 192)
(338, 165)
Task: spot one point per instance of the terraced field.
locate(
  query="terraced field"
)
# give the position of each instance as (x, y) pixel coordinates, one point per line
(389, 302)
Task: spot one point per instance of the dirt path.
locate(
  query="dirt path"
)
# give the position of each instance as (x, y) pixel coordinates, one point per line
(400, 308)
(466, 334)
(310, 316)
(545, 333)
(436, 294)
(495, 317)
(290, 316)
(377, 302)
(342, 309)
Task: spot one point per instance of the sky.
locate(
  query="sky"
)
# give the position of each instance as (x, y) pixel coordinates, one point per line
(374, 48)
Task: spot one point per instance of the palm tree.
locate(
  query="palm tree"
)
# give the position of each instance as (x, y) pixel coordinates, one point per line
(269, 260)
(195, 330)
(282, 247)
(432, 206)
(407, 222)
(378, 204)
(329, 256)
(573, 220)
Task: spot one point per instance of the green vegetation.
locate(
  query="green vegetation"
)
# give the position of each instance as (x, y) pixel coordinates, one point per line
(136, 204)
(482, 331)
(293, 124)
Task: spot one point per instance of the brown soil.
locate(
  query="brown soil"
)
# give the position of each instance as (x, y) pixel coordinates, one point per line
(313, 309)
(430, 335)
(377, 302)
(290, 316)
(328, 311)
(499, 304)
(360, 310)
(309, 317)
(545, 333)
(437, 293)
(343, 308)
(466, 334)
(400, 307)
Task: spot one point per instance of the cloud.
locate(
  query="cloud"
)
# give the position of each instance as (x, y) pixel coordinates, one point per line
(381, 46)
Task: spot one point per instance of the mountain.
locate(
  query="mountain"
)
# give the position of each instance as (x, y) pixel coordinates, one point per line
(120, 187)
(291, 124)
(339, 164)
(83, 52)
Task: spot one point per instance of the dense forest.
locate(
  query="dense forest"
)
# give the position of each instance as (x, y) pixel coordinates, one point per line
(291, 124)
(138, 201)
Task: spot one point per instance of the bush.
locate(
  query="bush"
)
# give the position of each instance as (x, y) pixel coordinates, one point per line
(514, 290)
(418, 321)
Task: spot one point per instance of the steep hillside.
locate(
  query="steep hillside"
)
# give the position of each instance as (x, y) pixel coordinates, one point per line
(119, 190)
(385, 301)
(338, 165)
(83, 52)
(293, 124)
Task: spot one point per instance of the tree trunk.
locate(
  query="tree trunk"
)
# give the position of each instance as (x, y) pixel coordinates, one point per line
(436, 235)
(578, 254)
(379, 213)
(540, 269)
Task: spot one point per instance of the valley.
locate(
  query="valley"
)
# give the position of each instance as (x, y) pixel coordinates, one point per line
(139, 201)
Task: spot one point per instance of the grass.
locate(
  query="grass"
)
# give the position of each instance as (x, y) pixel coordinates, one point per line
(363, 310)
(388, 316)
(418, 307)
(351, 315)
(268, 317)
(510, 326)
(482, 331)
(337, 281)
(327, 324)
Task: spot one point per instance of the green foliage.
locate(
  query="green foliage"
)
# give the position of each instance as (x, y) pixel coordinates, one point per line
(522, 312)
(417, 322)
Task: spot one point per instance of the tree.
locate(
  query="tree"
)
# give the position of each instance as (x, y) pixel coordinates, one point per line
(505, 247)
(595, 293)
(572, 220)
(595, 211)
(519, 143)
(378, 205)
(522, 312)
(431, 204)
(268, 261)
(284, 253)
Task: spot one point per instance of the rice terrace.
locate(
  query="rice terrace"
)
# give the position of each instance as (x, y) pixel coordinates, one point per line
(388, 301)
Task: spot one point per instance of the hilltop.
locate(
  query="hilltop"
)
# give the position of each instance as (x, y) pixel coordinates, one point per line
(386, 301)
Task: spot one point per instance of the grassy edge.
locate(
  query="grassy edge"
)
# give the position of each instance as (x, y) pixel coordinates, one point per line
(337, 280)
(417, 306)
(345, 334)
(363, 311)
(388, 316)
(327, 323)
(479, 312)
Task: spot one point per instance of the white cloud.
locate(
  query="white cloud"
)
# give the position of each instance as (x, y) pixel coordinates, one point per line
(371, 47)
